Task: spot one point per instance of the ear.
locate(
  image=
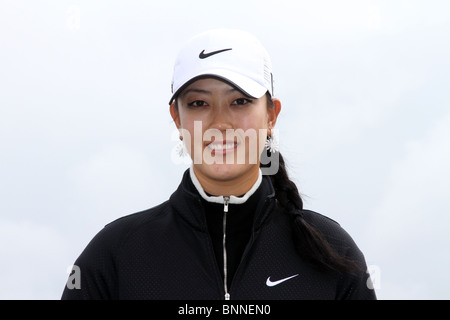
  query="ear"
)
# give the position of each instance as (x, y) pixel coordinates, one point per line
(274, 112)
(175, 115)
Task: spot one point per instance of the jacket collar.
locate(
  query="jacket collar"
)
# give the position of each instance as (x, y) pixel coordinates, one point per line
(220, 199)
(187, 202)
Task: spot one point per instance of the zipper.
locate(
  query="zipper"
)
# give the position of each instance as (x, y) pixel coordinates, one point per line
(224, 241)
(249, 245)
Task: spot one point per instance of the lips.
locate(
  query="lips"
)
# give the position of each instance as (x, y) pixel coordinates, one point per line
(222, 146)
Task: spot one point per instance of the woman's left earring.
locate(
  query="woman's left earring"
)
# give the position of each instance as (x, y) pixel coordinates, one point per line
(272, 144)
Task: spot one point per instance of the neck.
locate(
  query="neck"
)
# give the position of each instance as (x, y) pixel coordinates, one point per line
(234, 187)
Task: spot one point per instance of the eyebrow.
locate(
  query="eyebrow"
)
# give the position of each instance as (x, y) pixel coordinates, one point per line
(195, 90)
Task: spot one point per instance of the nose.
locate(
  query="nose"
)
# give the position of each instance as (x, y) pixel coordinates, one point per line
(221, 118)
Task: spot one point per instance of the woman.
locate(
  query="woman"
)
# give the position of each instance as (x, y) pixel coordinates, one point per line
(229, 231)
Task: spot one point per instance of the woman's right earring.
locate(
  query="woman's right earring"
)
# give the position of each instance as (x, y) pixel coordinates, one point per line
(181, 148)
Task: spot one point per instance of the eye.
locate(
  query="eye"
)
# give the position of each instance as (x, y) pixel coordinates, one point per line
(241, 101)
(197, 104)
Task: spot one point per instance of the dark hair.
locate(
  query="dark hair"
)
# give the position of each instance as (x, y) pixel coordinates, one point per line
(311, 245)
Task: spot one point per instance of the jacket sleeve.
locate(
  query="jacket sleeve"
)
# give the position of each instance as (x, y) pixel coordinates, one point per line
(93, 275)
(357, 286)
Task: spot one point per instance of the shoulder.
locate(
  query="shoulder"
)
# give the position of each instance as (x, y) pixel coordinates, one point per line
(134, 220)
(335, 234)
(322, 222)
(115, 233)
(123, 227)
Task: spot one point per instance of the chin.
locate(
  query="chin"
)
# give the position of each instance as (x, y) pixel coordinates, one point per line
(224, 171)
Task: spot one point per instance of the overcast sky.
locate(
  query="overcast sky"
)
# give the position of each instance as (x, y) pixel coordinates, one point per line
(86, 135)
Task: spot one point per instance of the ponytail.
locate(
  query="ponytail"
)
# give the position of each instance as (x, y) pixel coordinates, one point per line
(311, 245)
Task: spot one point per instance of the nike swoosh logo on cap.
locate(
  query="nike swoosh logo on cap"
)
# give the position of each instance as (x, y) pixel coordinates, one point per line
(274, 283)
(204, 55)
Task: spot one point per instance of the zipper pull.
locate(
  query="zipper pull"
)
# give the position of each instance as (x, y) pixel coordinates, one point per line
(225, 203)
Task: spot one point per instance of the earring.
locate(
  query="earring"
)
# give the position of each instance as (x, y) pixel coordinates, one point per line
(272, 143)
(181, 148)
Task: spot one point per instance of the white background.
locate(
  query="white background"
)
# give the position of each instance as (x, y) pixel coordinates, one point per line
(86, 135)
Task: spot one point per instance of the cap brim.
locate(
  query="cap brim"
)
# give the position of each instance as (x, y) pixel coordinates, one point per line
(247, 86)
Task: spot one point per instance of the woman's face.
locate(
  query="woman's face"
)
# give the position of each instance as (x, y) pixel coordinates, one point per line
(224, 131)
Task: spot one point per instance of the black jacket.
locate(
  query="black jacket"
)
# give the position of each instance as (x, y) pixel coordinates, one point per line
(167, 252)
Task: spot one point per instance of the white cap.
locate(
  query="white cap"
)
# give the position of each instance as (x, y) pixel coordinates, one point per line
(234, 56)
